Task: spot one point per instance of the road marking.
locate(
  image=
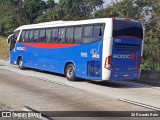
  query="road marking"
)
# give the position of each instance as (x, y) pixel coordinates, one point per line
(140, 104)
(48, 80)
(28, 109)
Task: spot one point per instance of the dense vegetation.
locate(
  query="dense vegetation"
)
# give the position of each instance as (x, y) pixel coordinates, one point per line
(4, 49)
(14, 13)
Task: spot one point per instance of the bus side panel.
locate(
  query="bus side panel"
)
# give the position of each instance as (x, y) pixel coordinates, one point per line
(44, 59)
(86, 58)
(88, 64)
(48, 59)
(12, 57)
(18, 51)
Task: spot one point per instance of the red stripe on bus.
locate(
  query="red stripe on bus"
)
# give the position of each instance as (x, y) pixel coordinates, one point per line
(43, 45)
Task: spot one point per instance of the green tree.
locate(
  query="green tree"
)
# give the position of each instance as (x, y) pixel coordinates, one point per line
(10, 16)
(152, 38)
(77, 9)
(71, 10)
(33, 8)
(50, 4)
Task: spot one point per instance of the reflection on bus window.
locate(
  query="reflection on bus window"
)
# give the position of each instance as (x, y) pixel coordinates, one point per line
(36, 36)
(22, 38)
(42, 36)
(31, 35)
(69, 35)
(48, 35)
(78, 34)
(61, 35)
(26, 36)
(54, 35)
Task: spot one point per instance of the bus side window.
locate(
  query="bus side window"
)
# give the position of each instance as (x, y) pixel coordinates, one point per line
(77, 34)
(69, 35)
(42, 36)
(31, 35)
(87, 34)
(61, 35)
(54, 36)
(48, 35)
(26, 36)
(22, 38)
(36, 35)
(97, 33)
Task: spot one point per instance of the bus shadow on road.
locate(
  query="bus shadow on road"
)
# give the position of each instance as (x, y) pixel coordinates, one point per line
(112, 84)
(121, 84)
(46, 72)
(2, 65)
(56, 74)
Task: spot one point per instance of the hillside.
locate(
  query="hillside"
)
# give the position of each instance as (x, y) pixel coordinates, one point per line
(4, 48)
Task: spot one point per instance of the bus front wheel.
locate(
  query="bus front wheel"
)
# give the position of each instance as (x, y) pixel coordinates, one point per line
(70, 72)
(20, 63)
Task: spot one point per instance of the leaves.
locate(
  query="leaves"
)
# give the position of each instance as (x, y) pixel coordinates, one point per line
(10, 18)
(71, 10)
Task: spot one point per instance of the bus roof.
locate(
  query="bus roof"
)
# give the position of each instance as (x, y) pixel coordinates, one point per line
(68, 23)
(62, 23)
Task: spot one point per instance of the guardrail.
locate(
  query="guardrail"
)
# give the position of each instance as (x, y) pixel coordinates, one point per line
(149, 76)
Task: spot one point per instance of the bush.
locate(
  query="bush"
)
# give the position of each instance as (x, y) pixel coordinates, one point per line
(4, 48)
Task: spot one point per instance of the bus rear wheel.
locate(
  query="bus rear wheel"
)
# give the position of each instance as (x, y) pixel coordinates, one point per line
(20, 64)
(70, 72)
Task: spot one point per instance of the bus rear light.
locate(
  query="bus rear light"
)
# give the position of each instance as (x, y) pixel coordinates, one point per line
(140, 65)
(113, 18)
(108, 63)
(127, 19)
(141, 60)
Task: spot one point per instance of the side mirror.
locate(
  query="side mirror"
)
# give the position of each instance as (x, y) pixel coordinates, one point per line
(10, 37)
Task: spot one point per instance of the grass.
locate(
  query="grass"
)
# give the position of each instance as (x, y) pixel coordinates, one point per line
(4, 48)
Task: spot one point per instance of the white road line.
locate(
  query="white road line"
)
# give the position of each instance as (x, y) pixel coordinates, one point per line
(29, 110)
(48, 80)
(140, 104)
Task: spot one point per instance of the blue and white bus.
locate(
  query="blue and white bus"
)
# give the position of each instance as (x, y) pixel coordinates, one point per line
(95, 49)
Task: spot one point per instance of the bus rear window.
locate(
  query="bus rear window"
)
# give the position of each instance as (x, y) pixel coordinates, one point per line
(127, 28)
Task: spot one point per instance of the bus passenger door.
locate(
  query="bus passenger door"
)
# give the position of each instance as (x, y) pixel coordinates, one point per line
(12, 41)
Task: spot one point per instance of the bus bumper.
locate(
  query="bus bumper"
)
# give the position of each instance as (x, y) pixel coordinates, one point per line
(125, 75)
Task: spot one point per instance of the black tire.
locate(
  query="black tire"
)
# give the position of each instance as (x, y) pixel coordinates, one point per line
(70, 72)
(20, 64)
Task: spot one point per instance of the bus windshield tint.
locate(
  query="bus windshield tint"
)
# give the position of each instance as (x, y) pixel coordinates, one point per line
(127, 28)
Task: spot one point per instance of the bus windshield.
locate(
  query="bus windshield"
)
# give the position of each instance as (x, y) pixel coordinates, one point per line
(127, 28)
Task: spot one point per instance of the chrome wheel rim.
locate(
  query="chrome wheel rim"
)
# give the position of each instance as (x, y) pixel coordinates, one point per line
(70, 72)
(20, 63)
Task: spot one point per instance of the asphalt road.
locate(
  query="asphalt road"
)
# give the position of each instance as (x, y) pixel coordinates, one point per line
(43, 91)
